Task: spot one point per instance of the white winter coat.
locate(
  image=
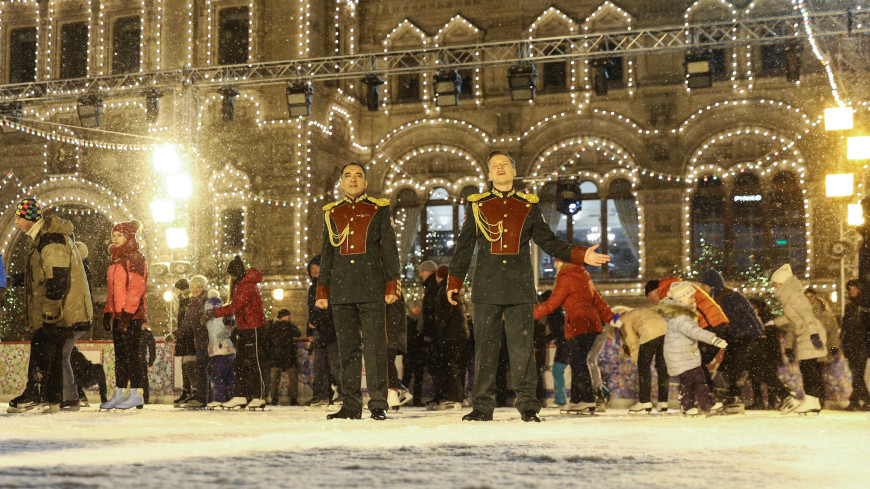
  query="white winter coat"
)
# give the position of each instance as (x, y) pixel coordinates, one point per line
(799, 321)
(682, 336)
(640, 326)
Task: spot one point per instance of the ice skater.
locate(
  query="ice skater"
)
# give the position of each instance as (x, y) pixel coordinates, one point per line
(681, 349)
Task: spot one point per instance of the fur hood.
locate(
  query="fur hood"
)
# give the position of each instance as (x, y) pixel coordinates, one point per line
(670, 309)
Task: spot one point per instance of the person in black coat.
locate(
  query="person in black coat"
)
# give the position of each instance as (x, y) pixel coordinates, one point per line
(450, 336)
(853, 336)
(768, 355)
(184, 346)
(414, 359)
(86, 375)
(321, 330)
(147, 354)
(281, 347)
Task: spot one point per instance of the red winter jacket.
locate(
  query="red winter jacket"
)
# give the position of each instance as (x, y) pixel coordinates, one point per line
(126, 286)
(246, 302)
(585, 310)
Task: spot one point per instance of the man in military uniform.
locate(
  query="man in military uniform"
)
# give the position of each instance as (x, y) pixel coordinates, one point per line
(500, 223)
(359, 272)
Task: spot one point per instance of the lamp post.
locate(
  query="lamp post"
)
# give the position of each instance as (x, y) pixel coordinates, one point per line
(840, 186)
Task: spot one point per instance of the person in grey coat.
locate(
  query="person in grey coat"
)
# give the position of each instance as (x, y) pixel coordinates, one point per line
(805, 336)
(681, 349)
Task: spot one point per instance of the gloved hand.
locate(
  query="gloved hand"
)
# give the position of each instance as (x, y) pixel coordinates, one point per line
(124, 322)
(107, 321)
(834, 351)
(719, 343)
(817, 342)
(789, 353)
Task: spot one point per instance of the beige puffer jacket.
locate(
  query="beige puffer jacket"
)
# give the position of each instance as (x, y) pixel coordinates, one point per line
(55, 281)
(640, 326)
(799, 321)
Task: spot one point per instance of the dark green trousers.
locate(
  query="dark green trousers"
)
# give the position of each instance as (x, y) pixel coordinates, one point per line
(362, 334)
(519, 328)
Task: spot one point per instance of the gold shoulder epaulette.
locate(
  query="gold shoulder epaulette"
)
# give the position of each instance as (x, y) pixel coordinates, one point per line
(380, 202)
(331, 205)
(476, 197)
(529, 197)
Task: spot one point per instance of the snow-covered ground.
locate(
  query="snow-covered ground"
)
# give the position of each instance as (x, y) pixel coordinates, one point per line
(162, 447)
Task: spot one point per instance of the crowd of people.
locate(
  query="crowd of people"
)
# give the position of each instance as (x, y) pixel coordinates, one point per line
(233, 357)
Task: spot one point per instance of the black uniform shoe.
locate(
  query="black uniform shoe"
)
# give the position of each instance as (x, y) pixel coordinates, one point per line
(530, 415)
(476, 415)
(344, 414)
(379, 414)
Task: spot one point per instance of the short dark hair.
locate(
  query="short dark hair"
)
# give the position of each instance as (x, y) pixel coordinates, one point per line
(650, 286)
(810, 290)
(355, 163)
(497, 152)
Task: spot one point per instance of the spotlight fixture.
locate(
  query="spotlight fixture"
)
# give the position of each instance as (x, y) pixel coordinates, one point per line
(599, 76)
(447, 86)
(793, 51)
(522, 80)
(373, 93)
(299, 98)
(568, 197)
(10, 111)
(152, 104)
(699, 71)
(90, 109)
(228, 106)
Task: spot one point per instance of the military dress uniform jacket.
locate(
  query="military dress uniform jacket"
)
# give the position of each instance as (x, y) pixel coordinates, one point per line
(359, 258)
(501, 225)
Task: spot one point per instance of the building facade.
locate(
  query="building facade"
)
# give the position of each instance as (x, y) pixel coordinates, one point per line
(671, 178)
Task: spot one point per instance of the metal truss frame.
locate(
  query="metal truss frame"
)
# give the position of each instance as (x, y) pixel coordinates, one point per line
(687, 37)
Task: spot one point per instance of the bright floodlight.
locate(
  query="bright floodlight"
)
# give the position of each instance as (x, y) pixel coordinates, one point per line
(278, 294)
(167, 296)
(176, 238)
(838, 118)
(163, 210)
(858, 148)
(834, 296)
(839, 185)
(855, 216)
(180, 187)
(166, 159)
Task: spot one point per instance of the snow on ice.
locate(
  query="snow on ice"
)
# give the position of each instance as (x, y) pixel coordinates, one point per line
(161, 447)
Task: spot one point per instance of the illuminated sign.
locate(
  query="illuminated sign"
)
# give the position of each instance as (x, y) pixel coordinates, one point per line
(747, 198)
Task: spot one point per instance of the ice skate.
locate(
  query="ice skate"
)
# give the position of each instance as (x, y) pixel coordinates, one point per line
(133, 400)
(183, 398)
(476, 415)
(213, 405)
(602, 397)
(530, 417)
(717, 409)
(235, 403)
(257, 404)
(691, 412)
(344, 414)
(21, 404)
(446, 405)
(83, 402)
(662, 407)
(318, 404)
(70, 406)
(51, 408)
(379, 414)
(580, 408)
(110, 404)
(193, 404)
(405, 396)
(788, 404)
(393, 399)
(810, 405)
(640, 407)
(735, 406)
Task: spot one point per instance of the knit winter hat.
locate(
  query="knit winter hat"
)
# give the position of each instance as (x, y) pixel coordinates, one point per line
(213, 301)
(782, 274)
(682, 292)
(428, 266)
(182, 284)
(236, 267)
(282, 313)
(29, 210)
(128, 229)
(442, 271)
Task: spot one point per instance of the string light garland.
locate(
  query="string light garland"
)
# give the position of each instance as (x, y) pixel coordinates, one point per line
(461, 29)
(55, 136)
(404, 27)
(817, 51)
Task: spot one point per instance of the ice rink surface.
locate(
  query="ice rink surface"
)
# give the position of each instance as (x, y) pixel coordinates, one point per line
(163, 447)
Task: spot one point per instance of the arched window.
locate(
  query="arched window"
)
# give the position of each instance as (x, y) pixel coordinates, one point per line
(612, 209)
(749, 227)
(788, 228)
(439, 227)
(708, 221)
